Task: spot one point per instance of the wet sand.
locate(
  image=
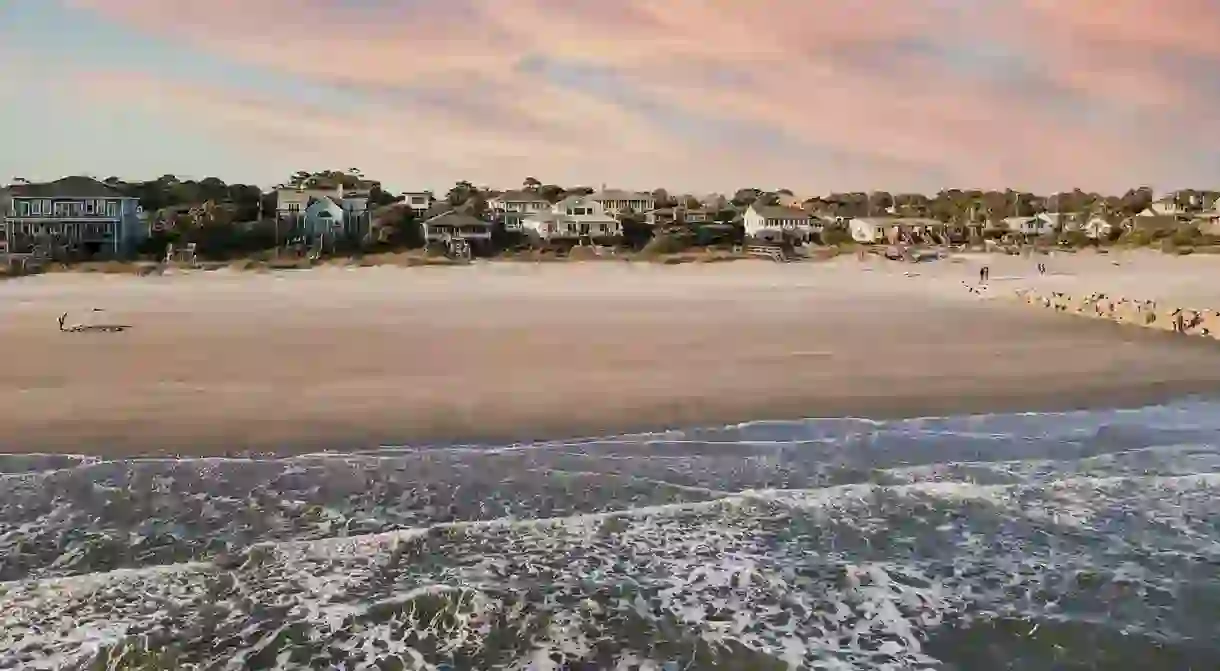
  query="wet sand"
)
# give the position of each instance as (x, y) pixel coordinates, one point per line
(227, 363)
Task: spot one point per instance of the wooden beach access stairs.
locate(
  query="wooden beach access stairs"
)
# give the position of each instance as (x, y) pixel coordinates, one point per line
(774, 252)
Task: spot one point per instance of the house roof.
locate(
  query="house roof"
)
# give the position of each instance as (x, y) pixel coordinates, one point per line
(68, 187)
(520, 196)
(780, 212)
(619, 194)
(870, 221)
(572, 200)
(327, 199)
(455, 218)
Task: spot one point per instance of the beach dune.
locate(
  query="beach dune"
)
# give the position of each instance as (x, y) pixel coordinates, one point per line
(227, 362)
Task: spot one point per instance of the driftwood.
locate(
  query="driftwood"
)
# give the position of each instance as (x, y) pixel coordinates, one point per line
(90, 328)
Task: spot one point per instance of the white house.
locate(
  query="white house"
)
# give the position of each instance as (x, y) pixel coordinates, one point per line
(514, 206)
(519, 201)
(1040, 225)
(895, 229)
(454, 224)
(1097, 227)
(418, 201)
(1053, 222)
(615, 202)
(772, 223)
(574, 218)
(868, 230)
(1166, 205)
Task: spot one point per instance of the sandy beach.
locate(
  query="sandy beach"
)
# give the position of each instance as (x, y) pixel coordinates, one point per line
(226, 362)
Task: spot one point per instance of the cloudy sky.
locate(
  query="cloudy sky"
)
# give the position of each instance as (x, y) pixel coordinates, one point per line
(694, 95)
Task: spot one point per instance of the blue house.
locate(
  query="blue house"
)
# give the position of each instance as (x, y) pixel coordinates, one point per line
(321, 213)
(324, 217)
(77, 213)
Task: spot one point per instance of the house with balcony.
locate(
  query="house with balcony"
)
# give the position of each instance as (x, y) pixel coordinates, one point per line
(774, 223)
(418, 201)
(615, 202)
(1042, 224)
(669, 216)
(73, 214)
(456, 224)
(512, 207)
(572, 220)
(321, 213)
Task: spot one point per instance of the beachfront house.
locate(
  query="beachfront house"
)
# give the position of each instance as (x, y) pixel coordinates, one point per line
(1208, 221)
(1097, 227)
(321, 213)
(911, 230)
(573, 219)
(73, 214)
(512, 207)
(1029, 226)
(418, 201)
(443, 227)
(1175, 204)
(774, 223)
(668, 216)
(615, 202)
(868, 230)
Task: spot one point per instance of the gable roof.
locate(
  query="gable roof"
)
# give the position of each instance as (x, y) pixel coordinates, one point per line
(780, 212)
(456, 218)
(573, 200)
(68, 187)
(326, 201)
(521, 196)
(619, 194)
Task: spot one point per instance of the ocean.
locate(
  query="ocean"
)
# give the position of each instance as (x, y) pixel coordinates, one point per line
(1078, 540)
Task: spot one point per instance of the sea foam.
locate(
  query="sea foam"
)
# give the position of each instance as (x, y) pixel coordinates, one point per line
(1024, 540)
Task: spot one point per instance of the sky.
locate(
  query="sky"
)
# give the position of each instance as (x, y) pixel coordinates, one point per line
(692, 95)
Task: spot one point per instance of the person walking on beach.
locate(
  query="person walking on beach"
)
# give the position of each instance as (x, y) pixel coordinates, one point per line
(1041, 268)
(984, 274)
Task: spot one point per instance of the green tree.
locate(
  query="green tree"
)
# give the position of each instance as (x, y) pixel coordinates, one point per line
(745, 197)
(460, 193)
(552, 193)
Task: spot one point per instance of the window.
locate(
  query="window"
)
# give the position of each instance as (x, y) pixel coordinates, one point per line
(46, 207)
(112, 209)
(90, 206)
(23, 208)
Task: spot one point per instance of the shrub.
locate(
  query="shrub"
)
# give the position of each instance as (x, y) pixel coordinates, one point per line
(836, 236)
(664, 244)
(1075, 239)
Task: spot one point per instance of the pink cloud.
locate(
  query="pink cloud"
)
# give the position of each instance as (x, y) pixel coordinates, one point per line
(865, 80)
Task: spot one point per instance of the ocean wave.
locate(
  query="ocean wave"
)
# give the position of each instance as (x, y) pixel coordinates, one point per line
(1022, 540)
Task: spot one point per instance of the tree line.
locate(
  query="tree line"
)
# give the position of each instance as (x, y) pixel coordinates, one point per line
(226, 219)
